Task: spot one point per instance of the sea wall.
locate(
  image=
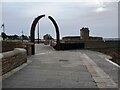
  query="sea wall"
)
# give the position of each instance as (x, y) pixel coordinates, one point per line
(96, 44)
(12, 59)
(9, 45)
(101, 44)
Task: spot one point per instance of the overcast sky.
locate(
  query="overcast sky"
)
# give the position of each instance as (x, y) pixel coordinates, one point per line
(99, 16)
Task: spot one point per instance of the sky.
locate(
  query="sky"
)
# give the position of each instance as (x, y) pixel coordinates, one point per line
(100, 16)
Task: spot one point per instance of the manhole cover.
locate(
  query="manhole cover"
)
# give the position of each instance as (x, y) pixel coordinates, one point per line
(62, 60)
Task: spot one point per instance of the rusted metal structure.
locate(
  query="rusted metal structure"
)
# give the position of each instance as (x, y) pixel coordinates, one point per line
(32, 33)
(57, 46)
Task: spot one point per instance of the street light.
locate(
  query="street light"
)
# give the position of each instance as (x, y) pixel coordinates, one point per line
(22, 36)
(3, 26)
(38, 32)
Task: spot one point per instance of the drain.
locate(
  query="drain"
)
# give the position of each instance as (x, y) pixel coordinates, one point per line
(63, 60)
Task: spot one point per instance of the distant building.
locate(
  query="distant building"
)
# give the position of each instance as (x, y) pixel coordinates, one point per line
(47, 37)
(84, 35)
(71, 38)
(95, 38)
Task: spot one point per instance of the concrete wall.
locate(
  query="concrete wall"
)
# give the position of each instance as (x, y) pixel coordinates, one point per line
(13, 59)
(102, 44)
(91, 44)
(10, 45)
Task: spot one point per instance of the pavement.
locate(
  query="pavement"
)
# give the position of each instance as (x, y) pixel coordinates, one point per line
(65, 69)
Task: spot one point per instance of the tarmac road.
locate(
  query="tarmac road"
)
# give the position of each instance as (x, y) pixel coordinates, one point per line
(65, 69)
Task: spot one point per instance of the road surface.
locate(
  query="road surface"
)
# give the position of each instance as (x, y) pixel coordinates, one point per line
(65, 69)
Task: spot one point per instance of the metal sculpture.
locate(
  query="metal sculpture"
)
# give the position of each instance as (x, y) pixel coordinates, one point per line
(57, 46)
(32, 33)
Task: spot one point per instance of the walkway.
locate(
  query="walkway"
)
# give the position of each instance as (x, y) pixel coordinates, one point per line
(65, 69)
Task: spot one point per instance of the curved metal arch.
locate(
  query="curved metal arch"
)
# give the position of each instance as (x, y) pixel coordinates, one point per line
(32, 33)
(57, 47)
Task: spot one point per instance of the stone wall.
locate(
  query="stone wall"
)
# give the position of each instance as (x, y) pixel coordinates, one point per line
(28, 47)
(13, 59)
(11, 44)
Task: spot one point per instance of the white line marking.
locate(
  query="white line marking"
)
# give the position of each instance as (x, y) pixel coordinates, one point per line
(42, 53)
(112, 62)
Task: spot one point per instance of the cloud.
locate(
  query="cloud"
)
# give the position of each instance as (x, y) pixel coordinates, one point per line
(43, 8)
(100, 9)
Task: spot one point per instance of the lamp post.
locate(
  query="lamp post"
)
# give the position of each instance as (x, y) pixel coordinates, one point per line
(22, 37)
(38, 32)
(3, 26)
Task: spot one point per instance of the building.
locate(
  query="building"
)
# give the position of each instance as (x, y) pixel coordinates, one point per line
(47, 37)
(84, 33)
(71, 38)
(84, 36)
